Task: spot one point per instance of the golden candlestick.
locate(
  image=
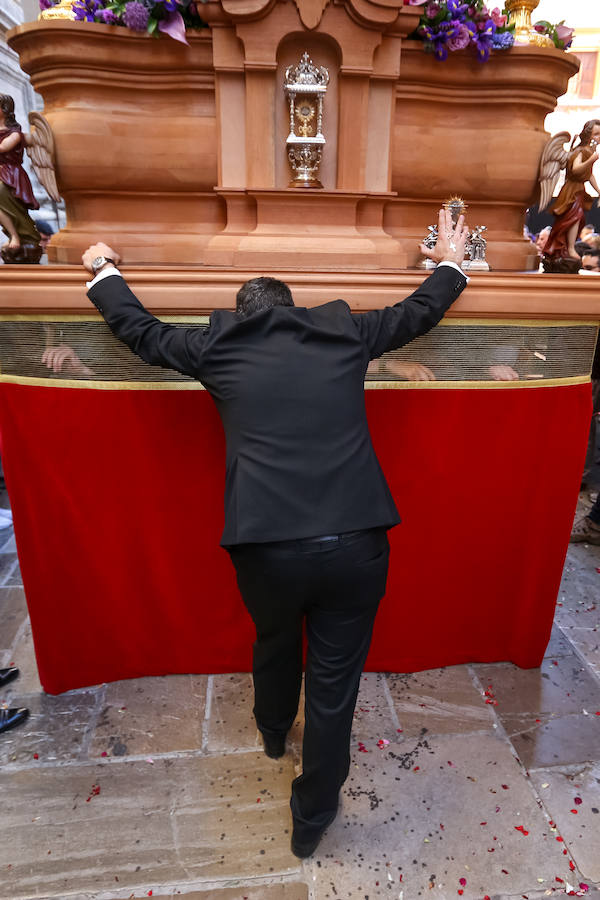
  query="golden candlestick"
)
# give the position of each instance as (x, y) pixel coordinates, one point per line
(519, 12)
(63, 10)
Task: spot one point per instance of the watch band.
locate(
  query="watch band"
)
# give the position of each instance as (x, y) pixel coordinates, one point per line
(99, 262)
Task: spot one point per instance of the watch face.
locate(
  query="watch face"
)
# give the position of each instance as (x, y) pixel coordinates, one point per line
(96, 263)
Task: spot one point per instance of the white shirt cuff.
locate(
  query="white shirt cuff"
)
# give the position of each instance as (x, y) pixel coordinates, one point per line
(109, 270)
(448, 262)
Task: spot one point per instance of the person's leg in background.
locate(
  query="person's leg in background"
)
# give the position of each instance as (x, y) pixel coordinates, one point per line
(351, 578)
(587, 529)
(591, 472)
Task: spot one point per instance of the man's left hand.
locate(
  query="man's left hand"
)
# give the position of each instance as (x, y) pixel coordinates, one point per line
(451, 241)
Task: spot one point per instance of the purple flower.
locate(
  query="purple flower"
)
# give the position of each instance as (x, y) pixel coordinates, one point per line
(460, 40)
(108, 17)
(85, 10)
(431, 10)
(565, 35)
(483, 40)
(46, 4)
(503, 41)
(440, 37)
(135, 16)
(170, 5)
(174, 26)
(456, 8)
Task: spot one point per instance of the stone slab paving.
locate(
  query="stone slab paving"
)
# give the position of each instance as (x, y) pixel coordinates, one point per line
(142, 716)
(436, 815)
(157, 787)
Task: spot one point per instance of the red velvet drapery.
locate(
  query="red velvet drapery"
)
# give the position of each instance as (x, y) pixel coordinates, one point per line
(117, 502)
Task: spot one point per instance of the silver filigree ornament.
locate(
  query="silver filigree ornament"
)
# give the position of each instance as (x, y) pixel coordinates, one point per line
(305, 86)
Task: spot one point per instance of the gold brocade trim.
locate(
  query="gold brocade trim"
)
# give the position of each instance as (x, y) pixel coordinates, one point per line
(523, 323)
(369, 385)
(205, 320)
(103, 385)
(91, 317)
(476, 385)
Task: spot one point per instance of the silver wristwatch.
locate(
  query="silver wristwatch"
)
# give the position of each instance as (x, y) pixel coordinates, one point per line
(99, 262)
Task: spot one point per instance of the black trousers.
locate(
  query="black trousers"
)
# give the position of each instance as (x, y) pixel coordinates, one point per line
(334, 585)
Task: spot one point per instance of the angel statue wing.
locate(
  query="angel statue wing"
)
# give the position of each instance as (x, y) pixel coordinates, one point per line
(40, 149)
(554, 158)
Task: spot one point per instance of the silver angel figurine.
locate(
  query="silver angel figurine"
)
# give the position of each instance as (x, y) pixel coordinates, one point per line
(476, 248)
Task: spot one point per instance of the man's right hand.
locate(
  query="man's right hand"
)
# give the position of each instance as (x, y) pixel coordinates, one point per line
(451, 242)
(100, 249)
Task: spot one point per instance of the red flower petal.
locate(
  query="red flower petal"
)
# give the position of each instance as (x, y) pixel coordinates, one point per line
(571, 865)
(462, 881)
(578, 801)
(521, 829)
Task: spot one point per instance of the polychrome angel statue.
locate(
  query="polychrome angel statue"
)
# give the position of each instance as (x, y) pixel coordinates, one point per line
(16, 193)
(570, 205)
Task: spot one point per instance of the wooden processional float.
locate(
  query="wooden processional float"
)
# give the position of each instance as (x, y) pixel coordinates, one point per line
(314, 141)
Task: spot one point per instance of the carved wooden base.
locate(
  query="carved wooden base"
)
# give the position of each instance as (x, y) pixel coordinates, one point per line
(297, 228)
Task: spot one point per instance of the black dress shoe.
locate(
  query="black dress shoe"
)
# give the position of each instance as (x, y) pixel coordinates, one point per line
(10, 718)
(306, 848)
(274, 745)
(7, 675)
(306, 839)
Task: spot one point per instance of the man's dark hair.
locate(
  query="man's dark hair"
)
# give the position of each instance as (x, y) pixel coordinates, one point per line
(42, 226)
(262, 293)
(595, 255)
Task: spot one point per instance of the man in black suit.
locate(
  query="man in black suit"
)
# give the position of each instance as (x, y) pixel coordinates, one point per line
(307, 506)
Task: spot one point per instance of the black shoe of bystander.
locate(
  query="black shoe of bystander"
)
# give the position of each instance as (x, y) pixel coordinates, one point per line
(10, 718)
(8, 675)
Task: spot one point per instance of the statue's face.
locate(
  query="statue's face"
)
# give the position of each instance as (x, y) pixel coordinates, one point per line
(596, 134)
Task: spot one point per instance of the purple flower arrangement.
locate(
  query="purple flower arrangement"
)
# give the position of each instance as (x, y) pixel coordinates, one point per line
(171, 17)
(449, 25)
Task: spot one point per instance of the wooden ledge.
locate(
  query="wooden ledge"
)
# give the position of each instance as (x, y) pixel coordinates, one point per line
(188, 290)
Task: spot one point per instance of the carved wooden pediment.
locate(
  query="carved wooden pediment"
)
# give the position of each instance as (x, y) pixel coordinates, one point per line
(372, 12)
(311, 11)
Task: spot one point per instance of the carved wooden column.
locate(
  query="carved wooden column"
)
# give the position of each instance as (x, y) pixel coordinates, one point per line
(267, 222)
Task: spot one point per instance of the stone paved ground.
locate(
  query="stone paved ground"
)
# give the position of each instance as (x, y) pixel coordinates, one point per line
(158, 786)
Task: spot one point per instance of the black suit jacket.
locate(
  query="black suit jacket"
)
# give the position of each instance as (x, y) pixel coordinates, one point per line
(289, 386)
